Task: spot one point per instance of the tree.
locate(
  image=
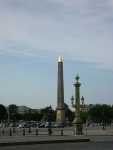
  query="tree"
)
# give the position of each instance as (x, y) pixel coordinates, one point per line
(28, 116)
(84, 116)
(68, 113)
(3, 112)
(45, 112)
(101, 113)
(12, 111)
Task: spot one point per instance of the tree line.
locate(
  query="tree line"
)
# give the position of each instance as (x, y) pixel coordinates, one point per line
(98, 113)
(11, 113)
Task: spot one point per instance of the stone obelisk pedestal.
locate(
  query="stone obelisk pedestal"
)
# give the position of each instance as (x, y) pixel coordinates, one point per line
(60, 116)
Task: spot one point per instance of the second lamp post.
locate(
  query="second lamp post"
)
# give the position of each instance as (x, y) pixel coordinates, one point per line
(77, 121)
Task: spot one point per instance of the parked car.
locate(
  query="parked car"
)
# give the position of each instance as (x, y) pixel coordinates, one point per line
(59, 125)
(42, 125)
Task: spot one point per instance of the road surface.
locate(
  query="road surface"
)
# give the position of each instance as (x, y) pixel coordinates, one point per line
(108, 145)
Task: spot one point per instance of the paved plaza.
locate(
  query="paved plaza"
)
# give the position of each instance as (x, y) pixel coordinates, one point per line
(92, 137)
(55, 131)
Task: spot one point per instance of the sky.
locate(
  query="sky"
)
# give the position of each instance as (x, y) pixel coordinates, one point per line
(33, 33)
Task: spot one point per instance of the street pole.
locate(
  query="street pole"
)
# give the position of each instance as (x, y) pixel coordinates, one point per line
(77, 121)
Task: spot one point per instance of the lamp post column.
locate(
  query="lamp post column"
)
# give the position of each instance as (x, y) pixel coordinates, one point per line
(77, 121)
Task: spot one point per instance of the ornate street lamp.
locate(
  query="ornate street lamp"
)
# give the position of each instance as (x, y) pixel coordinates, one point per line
(77, 121)
(82, 100)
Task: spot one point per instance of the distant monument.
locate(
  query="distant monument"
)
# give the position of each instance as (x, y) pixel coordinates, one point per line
(60, 116)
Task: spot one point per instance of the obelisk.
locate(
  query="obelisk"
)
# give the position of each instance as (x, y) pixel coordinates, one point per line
(60, 116)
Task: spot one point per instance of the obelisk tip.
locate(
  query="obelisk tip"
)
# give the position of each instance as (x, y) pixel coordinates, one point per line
(60, 59)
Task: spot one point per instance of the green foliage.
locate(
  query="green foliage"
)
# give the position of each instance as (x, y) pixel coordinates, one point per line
(3, 113)
(68, 113)
(12, 111)
(32, 116)
(48, 112)
(37, 116)
(84, 116)
(97, 113)
(101, 113)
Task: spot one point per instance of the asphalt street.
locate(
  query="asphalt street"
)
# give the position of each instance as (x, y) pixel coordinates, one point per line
(108, 145)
